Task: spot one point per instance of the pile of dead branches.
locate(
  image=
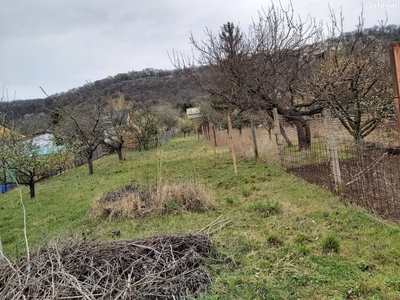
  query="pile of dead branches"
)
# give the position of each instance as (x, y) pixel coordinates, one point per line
(154, 268)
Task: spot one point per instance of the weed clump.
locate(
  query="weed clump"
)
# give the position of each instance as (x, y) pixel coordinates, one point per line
(274, 240)
(330, 244)
(135, 201)
(267, 209)
(230, 200)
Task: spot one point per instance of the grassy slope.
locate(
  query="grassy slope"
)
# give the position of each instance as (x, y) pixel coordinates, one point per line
(274, 241)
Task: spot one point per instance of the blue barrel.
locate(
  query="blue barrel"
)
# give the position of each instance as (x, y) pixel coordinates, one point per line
(5, 188)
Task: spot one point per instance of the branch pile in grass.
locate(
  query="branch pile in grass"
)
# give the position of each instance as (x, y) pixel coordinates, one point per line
(134, 201)
(154, 268)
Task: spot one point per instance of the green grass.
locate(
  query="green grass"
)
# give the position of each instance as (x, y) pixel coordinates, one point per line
(274, 247)
(318, 153)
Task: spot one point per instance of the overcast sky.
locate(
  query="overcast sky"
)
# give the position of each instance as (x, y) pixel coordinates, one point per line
(59, 44)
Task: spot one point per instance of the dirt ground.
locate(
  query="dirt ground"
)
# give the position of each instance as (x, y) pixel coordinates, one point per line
(370, 181)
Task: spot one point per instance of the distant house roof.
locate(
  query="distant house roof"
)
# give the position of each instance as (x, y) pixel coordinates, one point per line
(193, 112)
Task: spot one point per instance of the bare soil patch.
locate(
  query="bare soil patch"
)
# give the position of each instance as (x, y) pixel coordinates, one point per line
(371, 181)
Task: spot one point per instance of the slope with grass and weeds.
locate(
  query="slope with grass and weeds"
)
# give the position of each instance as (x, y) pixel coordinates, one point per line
(278, 237)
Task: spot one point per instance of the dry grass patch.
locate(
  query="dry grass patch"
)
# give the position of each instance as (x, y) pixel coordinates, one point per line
(135, 201)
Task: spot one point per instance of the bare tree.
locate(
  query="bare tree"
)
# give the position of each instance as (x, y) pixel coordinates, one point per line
(79, 124)
(209, 114)
(31, 164)
(114, 124)
(142, 124)
(258, 70)
(351, 76)
(32, 123)
(167, 116)
(6, 131)
(186, 125)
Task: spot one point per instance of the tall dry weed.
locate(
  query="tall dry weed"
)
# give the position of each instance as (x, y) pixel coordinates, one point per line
(166, 198)
(244, 146)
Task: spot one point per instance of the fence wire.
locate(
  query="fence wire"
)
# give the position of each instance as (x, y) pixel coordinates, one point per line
(369, 170)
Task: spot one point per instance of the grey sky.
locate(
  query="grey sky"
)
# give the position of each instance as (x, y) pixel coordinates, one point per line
(59, 44)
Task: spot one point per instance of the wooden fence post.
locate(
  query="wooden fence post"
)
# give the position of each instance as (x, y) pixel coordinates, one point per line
(210, 130)
(214, 135)
(333, 152)
(253, 133)
(231, 144)
(278, 135)
(394, 53)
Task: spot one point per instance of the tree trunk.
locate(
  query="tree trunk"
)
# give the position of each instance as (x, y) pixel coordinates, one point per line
(285, 137)
(302, 127)
(303, 133)
(90, 164)
(32, 189)
(282, 131)
(253, 134)
(119, 151)
(358, 142)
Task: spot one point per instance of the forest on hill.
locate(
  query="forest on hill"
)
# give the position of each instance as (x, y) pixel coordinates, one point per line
(148, 87)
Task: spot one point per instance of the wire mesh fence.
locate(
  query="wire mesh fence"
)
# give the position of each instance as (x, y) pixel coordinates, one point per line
(365, 172)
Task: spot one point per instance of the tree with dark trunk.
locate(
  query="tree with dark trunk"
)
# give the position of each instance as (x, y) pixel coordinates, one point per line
(114, 124)
(351, 77)
(31, 164)
(142, 123)
(167, 116)
(258, 70)
(79, 124)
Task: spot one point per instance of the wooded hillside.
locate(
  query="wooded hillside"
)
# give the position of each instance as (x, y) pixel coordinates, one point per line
(148, 87)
